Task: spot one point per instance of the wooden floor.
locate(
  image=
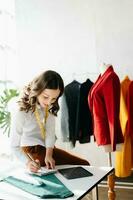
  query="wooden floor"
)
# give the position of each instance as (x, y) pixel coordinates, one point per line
(121, 194)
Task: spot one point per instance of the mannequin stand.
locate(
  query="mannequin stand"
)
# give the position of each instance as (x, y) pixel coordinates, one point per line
(111, 181)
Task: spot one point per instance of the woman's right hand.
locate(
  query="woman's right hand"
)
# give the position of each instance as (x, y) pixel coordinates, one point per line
(33, 166)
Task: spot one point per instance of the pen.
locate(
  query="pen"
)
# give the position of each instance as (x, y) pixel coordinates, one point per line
(32, 159)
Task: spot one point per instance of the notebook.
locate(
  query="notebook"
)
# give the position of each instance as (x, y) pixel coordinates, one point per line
(43, 171)
(75, 172)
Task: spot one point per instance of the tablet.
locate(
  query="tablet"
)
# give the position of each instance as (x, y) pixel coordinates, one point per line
(75, 172)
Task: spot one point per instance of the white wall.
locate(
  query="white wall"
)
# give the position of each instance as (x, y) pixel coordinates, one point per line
(114, 34)
(55, 34)
(74, 36)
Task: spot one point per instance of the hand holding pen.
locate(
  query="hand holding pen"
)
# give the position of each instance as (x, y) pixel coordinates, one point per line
(33, 165)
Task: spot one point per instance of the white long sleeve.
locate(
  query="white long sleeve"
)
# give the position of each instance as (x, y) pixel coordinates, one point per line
(25, 131)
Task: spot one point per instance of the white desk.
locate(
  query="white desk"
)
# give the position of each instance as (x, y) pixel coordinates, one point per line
(80, 187)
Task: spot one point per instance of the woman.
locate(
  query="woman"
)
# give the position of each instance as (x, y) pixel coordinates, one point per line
(33, 124)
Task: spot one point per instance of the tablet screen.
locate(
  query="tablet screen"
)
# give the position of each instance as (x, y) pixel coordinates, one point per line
(75, 172)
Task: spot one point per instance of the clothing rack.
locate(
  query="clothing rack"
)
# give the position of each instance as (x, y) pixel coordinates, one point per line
(80, 76)
(75, 74)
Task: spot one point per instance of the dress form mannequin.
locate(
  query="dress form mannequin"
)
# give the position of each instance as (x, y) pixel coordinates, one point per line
(107, 148)
(103, 67)
(104, 104)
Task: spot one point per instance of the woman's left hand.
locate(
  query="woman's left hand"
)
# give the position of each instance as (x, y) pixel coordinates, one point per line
(50, 162)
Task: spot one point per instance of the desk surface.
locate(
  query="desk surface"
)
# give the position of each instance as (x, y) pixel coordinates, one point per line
(80, 187)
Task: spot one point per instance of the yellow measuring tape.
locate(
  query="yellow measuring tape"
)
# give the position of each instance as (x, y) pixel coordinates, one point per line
(42, 124)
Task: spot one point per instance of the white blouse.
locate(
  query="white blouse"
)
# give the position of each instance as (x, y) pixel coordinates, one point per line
(25, 131)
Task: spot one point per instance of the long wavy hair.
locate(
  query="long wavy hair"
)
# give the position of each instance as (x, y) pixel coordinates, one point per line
(47, 80)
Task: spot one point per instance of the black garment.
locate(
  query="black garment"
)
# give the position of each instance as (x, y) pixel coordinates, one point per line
(85, 114)
(72, 95)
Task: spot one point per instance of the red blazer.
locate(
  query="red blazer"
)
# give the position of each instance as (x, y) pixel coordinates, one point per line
(104, 102)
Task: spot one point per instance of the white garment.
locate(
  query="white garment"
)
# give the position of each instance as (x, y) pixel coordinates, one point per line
(25, 131)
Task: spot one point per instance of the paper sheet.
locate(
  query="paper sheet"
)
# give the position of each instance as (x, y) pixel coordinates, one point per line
(44, 171)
